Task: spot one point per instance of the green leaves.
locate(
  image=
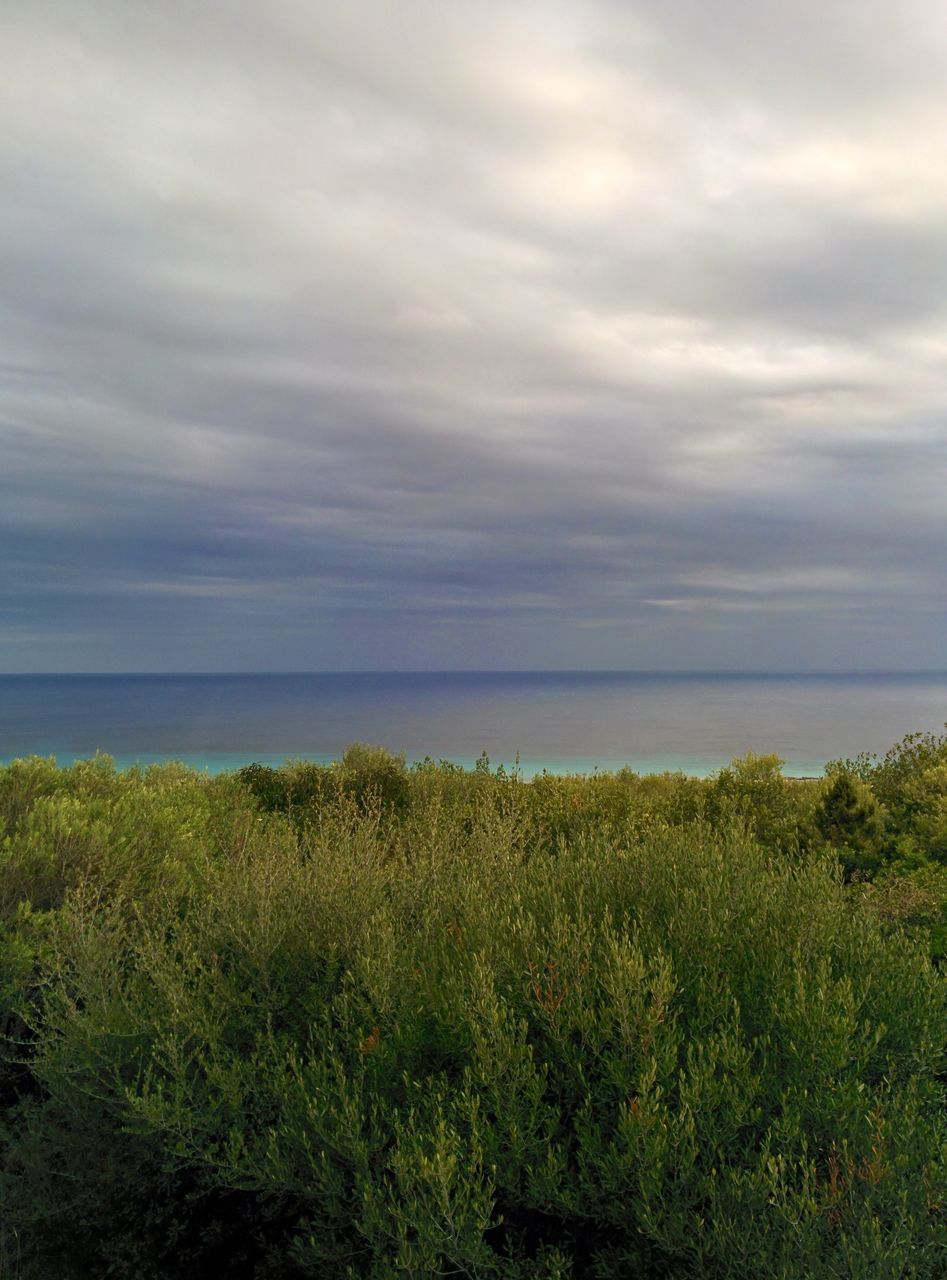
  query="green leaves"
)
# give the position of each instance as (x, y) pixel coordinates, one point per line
(465, 1026)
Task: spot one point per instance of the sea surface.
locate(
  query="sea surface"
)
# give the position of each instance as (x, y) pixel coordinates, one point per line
(558, 721)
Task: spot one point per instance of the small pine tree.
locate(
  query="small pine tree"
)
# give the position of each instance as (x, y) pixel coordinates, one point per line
(850, 819)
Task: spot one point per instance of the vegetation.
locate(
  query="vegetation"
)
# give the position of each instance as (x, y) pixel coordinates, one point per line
(373, 1021)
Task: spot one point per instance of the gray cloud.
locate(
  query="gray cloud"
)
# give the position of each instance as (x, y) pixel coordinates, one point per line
(409, 335)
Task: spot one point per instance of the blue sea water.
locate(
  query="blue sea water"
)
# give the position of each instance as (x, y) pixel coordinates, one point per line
(560, 721)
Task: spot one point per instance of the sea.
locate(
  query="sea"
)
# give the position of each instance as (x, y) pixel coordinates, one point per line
(558, 721)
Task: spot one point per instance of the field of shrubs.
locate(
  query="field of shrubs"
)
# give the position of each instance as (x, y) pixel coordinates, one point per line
(375, 1021)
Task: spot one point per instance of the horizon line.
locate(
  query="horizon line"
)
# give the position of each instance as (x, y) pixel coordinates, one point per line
(494, 671)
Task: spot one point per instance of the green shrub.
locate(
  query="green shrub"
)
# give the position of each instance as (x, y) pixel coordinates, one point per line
(373, 775)
(753, 790)
(373, 1022)
(297, 789)
(910, 782)
(849, 818)
(22, 783)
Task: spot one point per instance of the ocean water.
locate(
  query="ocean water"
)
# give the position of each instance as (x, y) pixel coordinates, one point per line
(560, 721)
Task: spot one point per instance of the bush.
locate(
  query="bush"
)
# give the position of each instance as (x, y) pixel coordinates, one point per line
(753, 791)
(849, 818)
(372, 775)
(450, 1023)
(910, 782)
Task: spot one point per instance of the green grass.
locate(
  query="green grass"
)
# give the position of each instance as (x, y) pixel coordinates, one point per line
(370, 1021)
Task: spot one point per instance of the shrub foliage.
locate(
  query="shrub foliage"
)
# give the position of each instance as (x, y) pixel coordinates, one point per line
(373, 1021)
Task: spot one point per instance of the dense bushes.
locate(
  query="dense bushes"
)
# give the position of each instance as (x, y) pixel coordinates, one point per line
(369, 1021)
(910, 782)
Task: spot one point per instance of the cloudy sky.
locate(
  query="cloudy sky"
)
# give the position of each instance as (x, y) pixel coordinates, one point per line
(440, 335)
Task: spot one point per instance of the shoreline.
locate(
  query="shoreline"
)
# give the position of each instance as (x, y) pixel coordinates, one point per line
(220, 762)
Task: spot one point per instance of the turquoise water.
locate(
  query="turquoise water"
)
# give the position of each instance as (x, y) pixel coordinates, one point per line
(224, 762)
(559, 721)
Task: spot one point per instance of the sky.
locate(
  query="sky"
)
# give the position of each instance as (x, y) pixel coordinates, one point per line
(428, 335)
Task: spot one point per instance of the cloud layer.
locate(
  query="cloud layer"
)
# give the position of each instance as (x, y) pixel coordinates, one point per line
(420, 335)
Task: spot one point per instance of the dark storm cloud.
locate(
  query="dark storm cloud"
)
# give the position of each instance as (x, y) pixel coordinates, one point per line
(395, 335)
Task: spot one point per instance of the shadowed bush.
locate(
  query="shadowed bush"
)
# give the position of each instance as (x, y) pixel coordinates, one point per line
(850, 820)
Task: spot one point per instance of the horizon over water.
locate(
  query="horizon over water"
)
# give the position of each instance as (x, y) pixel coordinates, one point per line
(562, 721)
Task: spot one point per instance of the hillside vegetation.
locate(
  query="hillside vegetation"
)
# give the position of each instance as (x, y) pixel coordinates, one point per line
(373, 1021)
